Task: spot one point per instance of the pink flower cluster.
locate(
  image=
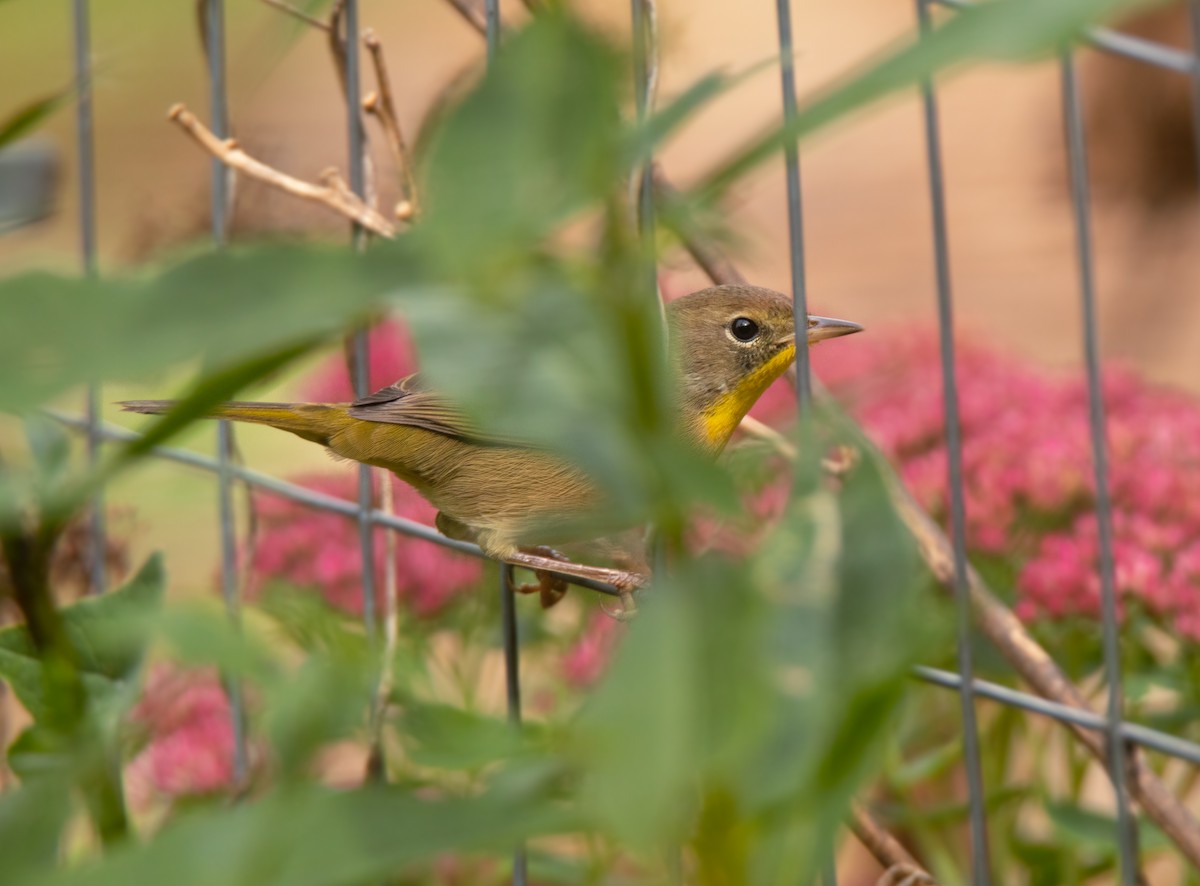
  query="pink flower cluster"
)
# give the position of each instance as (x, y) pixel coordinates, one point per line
(318, 549)
(1028, 468)
(190, 748)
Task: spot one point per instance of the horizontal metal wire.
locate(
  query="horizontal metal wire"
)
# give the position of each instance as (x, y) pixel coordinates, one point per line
(1147, 737)
(306, 496)
(1124, 45)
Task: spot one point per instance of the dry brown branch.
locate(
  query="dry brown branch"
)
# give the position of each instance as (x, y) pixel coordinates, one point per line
(311, 20)
(472, 13)
(707, 256)
(887, 850)
(381, 105)
(333, 193)
(1042, 673)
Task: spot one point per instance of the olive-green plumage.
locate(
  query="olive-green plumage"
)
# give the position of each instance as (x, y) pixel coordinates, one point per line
(728, 344)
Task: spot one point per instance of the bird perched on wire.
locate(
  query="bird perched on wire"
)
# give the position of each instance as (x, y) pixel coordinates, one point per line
(728, 344)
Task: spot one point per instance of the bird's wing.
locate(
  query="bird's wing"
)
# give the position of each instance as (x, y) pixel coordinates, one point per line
(409, 402)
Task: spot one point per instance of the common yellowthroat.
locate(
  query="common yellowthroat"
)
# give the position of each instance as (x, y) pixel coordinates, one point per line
(727, 343)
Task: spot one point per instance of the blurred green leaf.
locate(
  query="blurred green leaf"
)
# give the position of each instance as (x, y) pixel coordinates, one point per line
(320, 702)
(1096, 832)
(312, 624)
(50, 447)
(235, 305)
(27, 117)
(997, 30)
(31, 820)
(107, 632)
(751, 700)
(314, 837)
(452, 738)
(535, 141)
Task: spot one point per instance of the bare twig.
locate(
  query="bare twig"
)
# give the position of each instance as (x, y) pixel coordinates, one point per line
(888, 851)
(376, 761)
(333, 193)
(707, 255)
(1042, 673)
(472, 13)
(381, 105)
(311, 20)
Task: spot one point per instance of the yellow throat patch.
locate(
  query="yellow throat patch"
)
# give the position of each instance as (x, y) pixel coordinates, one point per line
(721, 419)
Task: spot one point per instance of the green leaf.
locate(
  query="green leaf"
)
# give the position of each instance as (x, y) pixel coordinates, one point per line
(227, 307)
(452, 738)
(49, 445)
(27, 117)
(534, 142)
(998, 30)
(108, 634)
(1096, 832)
(31, 819)
(314, 837)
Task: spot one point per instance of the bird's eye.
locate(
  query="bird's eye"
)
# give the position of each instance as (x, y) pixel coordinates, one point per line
(744, 329)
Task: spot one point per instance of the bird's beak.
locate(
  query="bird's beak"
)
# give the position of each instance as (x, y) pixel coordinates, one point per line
(821, 328)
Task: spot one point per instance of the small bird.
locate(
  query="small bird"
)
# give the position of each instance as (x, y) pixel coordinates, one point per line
(727, 344)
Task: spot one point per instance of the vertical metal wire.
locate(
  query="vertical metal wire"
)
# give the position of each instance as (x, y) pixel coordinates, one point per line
(1194, 22)
(799, 280)
(214, 41)
(980, 856)
(639, 16)
(85, 148)
(791, 158)
(360, 353)
(1080, 201)
(508, 603)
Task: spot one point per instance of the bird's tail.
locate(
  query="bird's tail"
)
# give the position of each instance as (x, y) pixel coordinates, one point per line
(312, 421)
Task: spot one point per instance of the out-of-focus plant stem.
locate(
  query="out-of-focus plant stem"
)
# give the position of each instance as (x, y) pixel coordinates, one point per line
(28, 552)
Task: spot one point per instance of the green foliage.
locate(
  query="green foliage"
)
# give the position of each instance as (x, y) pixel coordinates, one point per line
(306, 835)
(29, 116)
(107, 632)
(748, 701)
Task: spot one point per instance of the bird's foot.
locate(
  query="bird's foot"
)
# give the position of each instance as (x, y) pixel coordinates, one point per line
(549, 588)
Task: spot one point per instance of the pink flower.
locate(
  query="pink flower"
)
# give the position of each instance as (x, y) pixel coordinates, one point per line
(190, 748)
(313, 548)
(1027, 465)
(586, 661)
(390, 357)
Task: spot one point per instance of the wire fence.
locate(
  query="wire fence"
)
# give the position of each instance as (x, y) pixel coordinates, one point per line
(1120, 735)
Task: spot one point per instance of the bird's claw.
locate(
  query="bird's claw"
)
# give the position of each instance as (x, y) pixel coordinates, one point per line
(628, 609)
(549, 588)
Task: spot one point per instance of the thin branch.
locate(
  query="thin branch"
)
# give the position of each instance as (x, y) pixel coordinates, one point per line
(710, 258)
(381, 105)
(472, 13)
(1042, 673)
(376, 762)
(294, 12)
(888, 851)
(333, 193)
